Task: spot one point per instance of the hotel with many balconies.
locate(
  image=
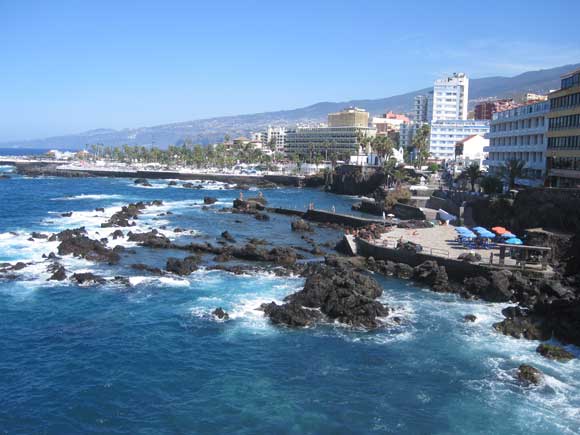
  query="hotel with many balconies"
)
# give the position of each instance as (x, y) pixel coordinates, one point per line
(564, 133)
(519, 134)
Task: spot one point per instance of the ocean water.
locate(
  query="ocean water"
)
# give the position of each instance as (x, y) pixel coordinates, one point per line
(150, 359)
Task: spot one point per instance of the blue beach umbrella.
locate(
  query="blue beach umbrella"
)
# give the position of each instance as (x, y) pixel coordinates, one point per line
(508, 236)
(514, 241)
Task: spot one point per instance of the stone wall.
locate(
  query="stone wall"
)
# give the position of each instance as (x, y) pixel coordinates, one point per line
(457, 270)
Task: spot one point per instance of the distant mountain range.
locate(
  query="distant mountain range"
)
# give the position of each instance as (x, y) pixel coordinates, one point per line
(210, 130)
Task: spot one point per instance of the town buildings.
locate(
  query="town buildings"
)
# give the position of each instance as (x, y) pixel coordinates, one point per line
(274, 137)
(468, 151)
(446, 133)
(450, 124)
(520, 134)
(563, 163)
(423, 108)
(450, 97)
(341, 139)
(389, 123)
(349, 117)
(486, 109)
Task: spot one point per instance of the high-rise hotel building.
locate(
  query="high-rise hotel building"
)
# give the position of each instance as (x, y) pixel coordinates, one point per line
(563, 153)
(450, 124)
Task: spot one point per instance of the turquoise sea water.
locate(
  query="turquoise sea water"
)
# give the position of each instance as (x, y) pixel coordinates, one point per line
(150, 359)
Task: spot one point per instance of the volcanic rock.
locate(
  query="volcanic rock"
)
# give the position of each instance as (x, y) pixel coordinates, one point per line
(300, 225)
(554, 352)
(209, 200)
(87, 279)
(220, 314)
(183, 267)
(529, 375)
(89, 249)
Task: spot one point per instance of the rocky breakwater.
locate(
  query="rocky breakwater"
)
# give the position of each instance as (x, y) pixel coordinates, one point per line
(76, 242)
(128, 213)
(332, 293)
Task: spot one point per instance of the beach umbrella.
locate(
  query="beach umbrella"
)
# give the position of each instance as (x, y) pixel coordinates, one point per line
(468, 236)
(499, 230)
(508, 236)
(478, 229)
(514, 241)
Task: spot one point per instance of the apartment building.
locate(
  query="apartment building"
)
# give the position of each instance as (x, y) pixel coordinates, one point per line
(563, 162)
(520, 134)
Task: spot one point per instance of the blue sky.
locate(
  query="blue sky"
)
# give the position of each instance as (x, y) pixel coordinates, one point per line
(71, 66)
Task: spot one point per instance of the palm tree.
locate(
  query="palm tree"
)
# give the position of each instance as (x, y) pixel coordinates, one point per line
(511, 170)
(421, 142)
(473, 173)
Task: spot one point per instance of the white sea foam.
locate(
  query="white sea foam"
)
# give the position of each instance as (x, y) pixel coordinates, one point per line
(94, 197)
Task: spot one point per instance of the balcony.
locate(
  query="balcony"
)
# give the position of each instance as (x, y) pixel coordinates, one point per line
(533, 148)
(565, 173)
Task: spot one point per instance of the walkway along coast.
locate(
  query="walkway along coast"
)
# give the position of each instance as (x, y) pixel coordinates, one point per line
(51, 169)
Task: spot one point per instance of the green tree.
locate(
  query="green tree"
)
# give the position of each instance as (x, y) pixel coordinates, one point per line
(421, 144)
(491, 185)
(473, 173)
(511, 170)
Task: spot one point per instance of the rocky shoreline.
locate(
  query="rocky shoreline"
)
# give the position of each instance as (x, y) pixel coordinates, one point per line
(339, 289)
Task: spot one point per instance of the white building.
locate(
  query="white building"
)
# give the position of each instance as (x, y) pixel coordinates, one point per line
(468, 151)
(450, 124)
(450, 97)
(520, 134)
(272, 135)
(446, 133)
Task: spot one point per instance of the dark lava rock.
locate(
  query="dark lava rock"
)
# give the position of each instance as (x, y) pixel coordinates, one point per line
(151, 239)
(432, 274)
(470, 257)
(340, 294)
(191, 186)
(262, 217)
(529, 375)
(227, 236)
(554, 352)
(528, 327)
(242, 187)
(142, 182)
(67, 234)
(469, 318)
(100, 209)
(87, 278)
(220, 314)
(117, 234)
(36, 235)
(58, 272)
(209, 200)
(147, 268)
(495, 289)
(89, 249)
(172, 183)
(67, 214)
(291, 314)
(300, 225)
(183, 267)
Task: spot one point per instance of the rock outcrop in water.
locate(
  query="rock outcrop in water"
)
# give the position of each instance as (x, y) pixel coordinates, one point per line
(332, 293)
(182, 267)
(529, 375)
(554, 352)
(75, 242)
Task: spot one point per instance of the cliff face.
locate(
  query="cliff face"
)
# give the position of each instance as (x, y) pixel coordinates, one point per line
(554, 209)
(354, 180)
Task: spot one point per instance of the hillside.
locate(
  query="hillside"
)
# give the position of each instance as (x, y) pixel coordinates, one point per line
(213, 129)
